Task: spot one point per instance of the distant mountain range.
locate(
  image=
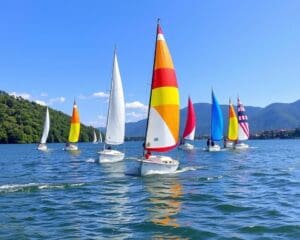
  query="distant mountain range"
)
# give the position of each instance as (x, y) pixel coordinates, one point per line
(273, 117)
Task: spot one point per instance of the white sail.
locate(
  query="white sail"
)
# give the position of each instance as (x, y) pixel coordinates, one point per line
(46, 127)
(100, 137)
(115, 128)
(95, 137)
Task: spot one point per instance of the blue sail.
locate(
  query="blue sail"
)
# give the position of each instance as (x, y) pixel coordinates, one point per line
(216, 120)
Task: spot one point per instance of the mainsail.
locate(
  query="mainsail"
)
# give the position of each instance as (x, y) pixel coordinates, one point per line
(95, 137)
(190, 124)
(163, 114)
(46, 128)
(115, 127)
(232, 124)
(243, 129)
(75, 125)
(216, 120)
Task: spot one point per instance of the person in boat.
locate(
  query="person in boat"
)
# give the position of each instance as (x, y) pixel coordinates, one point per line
(109, 147)
(148, 154)
(212, 143)
(182, 142)
(208, 142)
(225, 142)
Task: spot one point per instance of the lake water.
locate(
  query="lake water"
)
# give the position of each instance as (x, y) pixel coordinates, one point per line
(252, 194)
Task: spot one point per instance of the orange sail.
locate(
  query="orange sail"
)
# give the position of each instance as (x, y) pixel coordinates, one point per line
(75, 125)
(163, 117)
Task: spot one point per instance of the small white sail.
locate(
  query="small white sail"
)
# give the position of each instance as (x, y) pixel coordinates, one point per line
(100, 137)
(95, 137)
(115, 128)
(46, 128)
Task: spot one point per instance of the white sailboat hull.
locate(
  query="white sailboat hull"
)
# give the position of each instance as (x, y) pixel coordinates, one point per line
(158, 165)
(71, 147)
(110, 156)
(186, 147)
(239, 146)
(215, 148)
(42, 147)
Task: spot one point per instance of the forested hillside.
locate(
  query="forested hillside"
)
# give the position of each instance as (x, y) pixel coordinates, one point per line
(21, 121)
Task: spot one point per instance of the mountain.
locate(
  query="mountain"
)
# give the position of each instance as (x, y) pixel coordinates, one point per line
(21, 121)
(274, 116)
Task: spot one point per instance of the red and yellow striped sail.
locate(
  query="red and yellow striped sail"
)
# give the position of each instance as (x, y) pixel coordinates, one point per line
(163, 119)
(75, 125)
(232, 124)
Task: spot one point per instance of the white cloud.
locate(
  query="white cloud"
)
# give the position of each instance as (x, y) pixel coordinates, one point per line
(26, 96)
(136, 105)
(134, 116)
(57, 100)
(43, 94)
(100, 95)
(42, 103)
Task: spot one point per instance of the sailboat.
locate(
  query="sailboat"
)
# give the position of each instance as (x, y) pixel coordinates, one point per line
(42, 146)
(163, 112)
(95, 138)
(190, 127)
(216, 126)
(74, 130)
(100, 137)
(243, 128)
(232, 134)
(115, 124)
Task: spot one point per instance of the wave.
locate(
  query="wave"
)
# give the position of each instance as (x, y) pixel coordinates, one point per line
(31, 187)
(91, 160)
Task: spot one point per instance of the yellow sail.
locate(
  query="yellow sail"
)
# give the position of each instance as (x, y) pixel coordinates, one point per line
(232, 124)
(75, 125)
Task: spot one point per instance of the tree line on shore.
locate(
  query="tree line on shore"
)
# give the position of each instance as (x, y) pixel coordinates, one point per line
(21, 121)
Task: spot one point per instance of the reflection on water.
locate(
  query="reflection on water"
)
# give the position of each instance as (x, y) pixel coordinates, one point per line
(165, 202)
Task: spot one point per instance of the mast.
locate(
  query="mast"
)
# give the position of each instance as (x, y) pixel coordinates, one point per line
(153, 68)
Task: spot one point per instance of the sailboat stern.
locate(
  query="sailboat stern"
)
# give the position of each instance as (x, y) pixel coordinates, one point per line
(110, 156)
(42, 147)
(159, 165)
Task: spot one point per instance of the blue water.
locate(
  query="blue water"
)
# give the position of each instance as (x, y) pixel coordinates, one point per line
(252, 194)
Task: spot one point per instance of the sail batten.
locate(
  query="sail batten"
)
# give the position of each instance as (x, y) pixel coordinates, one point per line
(163, 116)
(115, 128)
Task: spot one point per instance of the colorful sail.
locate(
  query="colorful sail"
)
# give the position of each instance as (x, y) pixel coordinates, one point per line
(163, 116)
(232, 124)
(115, 127)
(243, 129)
(46, 128)
(216, 120)
(190, 124)
(75, 125)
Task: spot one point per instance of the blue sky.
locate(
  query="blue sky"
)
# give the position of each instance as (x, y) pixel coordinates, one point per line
(55, 51)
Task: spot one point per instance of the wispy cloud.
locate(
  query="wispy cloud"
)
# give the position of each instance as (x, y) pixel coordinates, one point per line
(43, 94)
(26, 96)
(135, 116)
(100, 95)
(40, 102)
(56, 100)
(136, 105)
